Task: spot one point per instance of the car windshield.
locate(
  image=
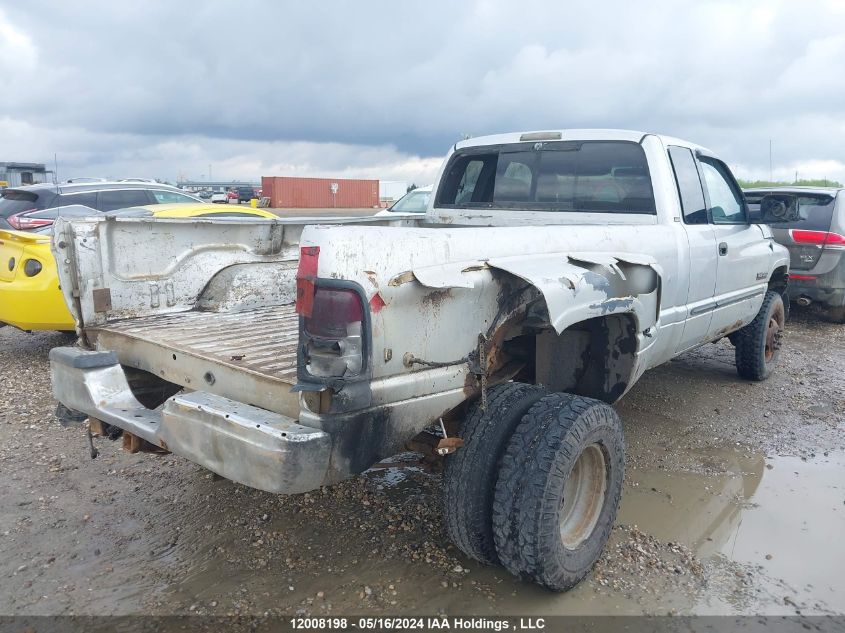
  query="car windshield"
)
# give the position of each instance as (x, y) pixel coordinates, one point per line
(413, 202)
(595, 176)
(816, 210)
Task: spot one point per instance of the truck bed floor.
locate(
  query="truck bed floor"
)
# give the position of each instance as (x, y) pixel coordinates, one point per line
(248, 355)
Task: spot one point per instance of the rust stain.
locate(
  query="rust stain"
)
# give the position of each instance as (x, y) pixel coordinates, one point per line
(402, 278)
(435, 299)
(472, 386)
(733, 327)
(471, 269)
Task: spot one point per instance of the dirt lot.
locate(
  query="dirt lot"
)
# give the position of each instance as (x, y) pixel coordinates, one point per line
(734, 503)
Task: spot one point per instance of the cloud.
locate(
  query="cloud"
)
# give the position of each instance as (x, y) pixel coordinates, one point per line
(79, 152)
(17, 52)
(400, 82)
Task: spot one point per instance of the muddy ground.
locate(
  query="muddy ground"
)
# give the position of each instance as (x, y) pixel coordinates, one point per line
(734, 503)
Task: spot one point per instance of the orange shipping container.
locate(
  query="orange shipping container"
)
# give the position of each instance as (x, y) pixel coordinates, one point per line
(320, 193)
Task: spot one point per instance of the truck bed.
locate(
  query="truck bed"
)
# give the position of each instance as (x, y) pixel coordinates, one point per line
(248, 355)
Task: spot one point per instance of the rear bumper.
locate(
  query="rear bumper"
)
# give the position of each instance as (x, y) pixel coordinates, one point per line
(823, 284)
(828, 297)
(818, 291)
(252, 446)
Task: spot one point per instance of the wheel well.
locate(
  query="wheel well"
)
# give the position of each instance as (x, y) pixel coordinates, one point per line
(779, 280)
(593, 358)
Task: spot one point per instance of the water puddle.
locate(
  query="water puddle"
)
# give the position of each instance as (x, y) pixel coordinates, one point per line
(779, 520)
(730, 533)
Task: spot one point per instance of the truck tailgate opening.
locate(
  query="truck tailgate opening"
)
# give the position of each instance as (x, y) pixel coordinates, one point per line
(246, 355)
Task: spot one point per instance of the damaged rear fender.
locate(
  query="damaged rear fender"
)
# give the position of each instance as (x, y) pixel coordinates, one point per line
(575, 286)
(581, 286)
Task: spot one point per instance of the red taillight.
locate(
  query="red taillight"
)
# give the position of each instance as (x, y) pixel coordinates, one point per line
(331, 338)
(802, 277)
(334, 309)
(306, 275)
(22, 222)
(819, 238)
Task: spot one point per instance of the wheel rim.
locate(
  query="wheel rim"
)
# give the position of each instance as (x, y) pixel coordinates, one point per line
(583, 497)
(774, 333)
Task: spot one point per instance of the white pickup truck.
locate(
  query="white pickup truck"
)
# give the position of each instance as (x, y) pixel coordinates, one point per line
(550, 271)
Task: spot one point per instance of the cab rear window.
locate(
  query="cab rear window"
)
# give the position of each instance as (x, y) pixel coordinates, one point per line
(585, 176)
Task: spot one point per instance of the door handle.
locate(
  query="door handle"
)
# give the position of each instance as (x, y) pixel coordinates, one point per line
(723, 248)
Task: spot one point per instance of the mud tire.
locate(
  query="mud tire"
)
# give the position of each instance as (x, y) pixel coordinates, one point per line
(469, 475)
(758, 343)
(530, 509)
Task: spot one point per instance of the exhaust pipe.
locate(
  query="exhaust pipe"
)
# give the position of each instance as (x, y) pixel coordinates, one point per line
(803, 301)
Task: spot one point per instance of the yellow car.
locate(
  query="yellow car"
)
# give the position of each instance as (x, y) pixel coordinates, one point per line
(30, 298)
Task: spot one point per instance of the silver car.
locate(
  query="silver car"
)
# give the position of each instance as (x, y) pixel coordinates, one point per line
(816, 244)
(20, 206)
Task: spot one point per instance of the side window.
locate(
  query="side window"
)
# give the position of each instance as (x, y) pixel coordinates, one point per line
(166, 197)
(87, 199)
(121, 198)
(726, 202)
(689, 185)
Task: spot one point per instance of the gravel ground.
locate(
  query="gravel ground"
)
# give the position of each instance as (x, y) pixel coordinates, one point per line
(707, 458)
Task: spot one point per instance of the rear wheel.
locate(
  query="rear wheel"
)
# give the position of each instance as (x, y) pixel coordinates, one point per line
(558, 490)
(469, 476)
(758, 343)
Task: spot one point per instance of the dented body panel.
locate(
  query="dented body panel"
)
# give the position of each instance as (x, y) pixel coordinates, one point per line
(449, 304)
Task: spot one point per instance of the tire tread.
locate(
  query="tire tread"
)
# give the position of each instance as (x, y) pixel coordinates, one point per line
(469, 477)
(750, 342)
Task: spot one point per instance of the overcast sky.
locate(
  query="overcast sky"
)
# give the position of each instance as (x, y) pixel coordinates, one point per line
(382, 89)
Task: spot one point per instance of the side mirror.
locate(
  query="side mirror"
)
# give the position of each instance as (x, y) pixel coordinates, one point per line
(779, 207)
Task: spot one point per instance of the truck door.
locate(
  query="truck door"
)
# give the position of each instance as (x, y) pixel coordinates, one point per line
(702, 253)
(743, 252)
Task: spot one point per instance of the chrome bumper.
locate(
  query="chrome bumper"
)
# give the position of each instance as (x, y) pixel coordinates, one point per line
(252, 446)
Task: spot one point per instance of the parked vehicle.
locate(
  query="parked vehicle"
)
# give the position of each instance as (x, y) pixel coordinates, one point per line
(204, 194)
(245, 194)
(413, 203)
(20, 204)
(816, 243)
(220, 197)
(232, 194)
(30, 298)
(551, 271)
